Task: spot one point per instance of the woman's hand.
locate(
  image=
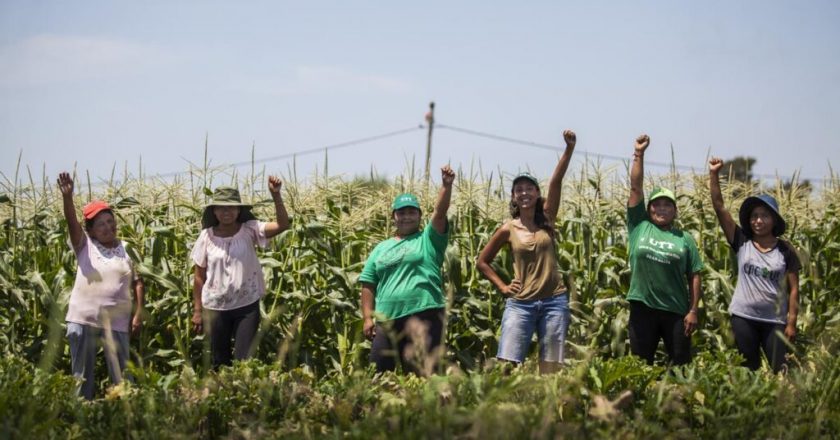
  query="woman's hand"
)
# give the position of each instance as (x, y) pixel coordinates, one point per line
(65, 184)
(369, 329)
(642, 143)
(198, 325)
(790, 331)
(274, 184)
(512, 289)
(715, 164)
(690, 322)
(447, 176)
(570, 137)
(136, 324)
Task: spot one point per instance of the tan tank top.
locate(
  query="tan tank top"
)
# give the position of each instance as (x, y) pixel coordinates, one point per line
(534, 262)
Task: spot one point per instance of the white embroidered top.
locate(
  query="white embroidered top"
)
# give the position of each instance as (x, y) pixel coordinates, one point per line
(234, 276)
(101, 295)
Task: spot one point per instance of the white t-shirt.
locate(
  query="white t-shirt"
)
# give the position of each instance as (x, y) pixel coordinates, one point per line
(762, 290)
(234, 276)
(101, 295)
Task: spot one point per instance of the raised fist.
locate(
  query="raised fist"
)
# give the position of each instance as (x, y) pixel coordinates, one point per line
(447, 175)
(642, 143)
(715, 164)
(570, 137)
(274, 184)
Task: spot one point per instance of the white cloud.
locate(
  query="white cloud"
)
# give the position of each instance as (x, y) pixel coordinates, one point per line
(325, 79)
(46, 59)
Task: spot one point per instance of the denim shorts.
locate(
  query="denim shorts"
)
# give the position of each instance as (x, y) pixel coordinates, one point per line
(549, 317)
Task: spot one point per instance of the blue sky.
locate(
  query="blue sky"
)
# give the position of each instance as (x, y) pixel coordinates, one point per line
(102, 82)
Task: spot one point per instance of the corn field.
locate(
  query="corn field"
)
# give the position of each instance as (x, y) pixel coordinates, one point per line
(310, 377)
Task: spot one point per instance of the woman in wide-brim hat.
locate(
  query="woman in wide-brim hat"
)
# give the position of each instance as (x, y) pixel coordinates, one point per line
(225, 196)
(665, 268)
(765, 302)
(403, 287)
(537, 298)
(228, 281)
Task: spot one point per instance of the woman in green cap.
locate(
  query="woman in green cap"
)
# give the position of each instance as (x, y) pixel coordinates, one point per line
(228, 281)
(665, 270)
(537, 299)
(766, 300)
(402, 284)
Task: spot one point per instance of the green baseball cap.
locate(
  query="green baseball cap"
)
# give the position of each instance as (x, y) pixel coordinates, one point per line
(660, 192)
(527, 176)
(405, 200)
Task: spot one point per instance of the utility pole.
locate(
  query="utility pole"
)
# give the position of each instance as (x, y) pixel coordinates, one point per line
(430, 120)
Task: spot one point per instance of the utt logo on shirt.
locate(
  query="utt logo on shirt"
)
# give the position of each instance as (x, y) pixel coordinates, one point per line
(663, 245)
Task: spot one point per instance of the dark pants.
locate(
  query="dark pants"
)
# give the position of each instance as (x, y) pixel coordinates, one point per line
(414, 339)
(753, 336)
(648, 325)
(240, 324)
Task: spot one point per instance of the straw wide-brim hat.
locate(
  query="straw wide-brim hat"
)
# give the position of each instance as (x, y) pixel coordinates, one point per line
(225, 196)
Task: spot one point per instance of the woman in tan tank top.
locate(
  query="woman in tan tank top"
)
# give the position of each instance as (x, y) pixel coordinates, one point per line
(537, 299)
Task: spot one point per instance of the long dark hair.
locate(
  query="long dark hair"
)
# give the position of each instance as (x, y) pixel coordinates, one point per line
(539, 215)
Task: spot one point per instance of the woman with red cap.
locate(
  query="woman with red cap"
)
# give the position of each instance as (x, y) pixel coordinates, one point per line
(537, 299)
(765, 303)
(100, 307)
(228, 280)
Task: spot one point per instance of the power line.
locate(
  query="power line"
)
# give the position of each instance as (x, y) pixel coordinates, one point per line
(467, 131)
(345, 144)
(333, 147)
(528, 143)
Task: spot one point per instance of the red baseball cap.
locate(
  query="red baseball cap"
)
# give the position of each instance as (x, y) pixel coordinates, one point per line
(93, 208)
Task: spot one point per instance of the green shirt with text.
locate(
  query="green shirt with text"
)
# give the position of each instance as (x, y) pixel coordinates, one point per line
(406, 273)
(660, 262)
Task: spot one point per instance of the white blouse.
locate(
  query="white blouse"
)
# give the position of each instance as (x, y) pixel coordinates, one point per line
(101, 295)
(234, 276)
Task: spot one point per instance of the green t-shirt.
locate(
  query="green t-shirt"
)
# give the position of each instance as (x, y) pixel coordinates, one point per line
(660, 262)
(406, 273)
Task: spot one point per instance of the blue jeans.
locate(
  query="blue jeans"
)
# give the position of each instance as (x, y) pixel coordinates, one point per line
(549, 317)
(84, 341)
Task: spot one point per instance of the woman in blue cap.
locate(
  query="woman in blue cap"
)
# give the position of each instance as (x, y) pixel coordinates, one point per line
(537, 299)
(765, 303)
(402, 285)
(665, 270)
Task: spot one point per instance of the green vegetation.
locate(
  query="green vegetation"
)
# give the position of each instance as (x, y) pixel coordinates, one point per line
(311, 378)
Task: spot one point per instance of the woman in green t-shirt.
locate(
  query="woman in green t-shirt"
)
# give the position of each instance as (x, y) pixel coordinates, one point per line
(665, 271)
(401, 282)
